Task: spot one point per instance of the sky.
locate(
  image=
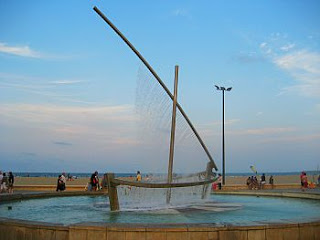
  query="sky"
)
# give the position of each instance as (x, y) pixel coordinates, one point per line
(69, 84)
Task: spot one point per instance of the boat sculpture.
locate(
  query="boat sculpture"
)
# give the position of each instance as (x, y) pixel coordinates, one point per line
(208, 174)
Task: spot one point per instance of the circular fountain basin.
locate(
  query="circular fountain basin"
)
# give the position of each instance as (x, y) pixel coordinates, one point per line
(220, 217)
(218, 209)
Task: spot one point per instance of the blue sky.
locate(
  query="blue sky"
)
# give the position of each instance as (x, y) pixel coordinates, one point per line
(68, 84)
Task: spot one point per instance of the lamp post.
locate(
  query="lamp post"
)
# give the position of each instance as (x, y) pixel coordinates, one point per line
(223, 89)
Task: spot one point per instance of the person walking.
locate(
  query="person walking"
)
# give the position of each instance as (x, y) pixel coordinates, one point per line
(271, 181)
(219, 181)
(10, 182)
(262, 181)
(304, 181)
(61, 185)
(249, 183)
(63, 180)
(4, 183)
(94, 181)
(138, 178)
(301, 182)
(1, 177)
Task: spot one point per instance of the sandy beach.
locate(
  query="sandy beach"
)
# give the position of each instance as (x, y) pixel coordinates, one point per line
(47, 181)
(230, 180)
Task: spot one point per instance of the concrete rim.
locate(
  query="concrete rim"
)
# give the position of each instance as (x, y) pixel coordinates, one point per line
(37, 195)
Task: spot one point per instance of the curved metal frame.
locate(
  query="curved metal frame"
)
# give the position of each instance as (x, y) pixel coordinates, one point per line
(117, 182)
(158, 79)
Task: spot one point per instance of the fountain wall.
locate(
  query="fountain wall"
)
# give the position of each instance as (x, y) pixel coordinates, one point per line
(22, 229)
(14, 229)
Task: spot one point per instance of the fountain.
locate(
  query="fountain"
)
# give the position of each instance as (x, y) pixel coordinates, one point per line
(172, 213)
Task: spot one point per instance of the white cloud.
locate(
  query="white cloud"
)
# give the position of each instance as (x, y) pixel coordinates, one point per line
(181, 12)
(66, 82)
(263, 131)
(300, 60)
(26, 51)
(263, 45)
(23, 51)
(287, 47)
(304, 67)
(299, 138)
(112, 124)
(266, 48)
(276, 44)
(49, 113)
(42, 86)
(211, 128)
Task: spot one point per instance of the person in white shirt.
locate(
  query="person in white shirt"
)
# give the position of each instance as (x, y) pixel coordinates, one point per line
(63, 178)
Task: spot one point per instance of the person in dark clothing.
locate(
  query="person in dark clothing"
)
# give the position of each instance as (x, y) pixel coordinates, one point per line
(271, 182)
(262, 181)
(249, 183)
(219, 181)
(94, 181)
(10, 182)
(60, 184)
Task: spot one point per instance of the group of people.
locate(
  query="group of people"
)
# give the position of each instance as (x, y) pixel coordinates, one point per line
(254, 183)
(217, 185)
(6, 182)
(308, 184)
(95, 185)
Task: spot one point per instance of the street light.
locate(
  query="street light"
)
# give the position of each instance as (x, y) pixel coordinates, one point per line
(223, 149)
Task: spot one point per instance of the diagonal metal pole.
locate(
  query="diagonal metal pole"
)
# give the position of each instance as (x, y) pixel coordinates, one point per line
(158, 79)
